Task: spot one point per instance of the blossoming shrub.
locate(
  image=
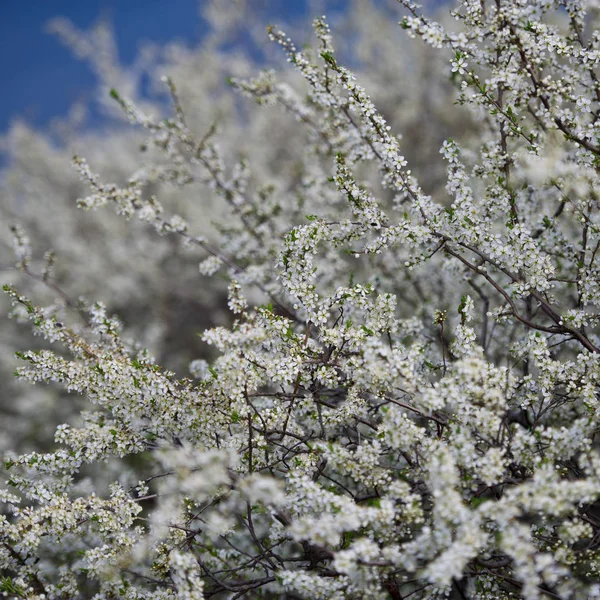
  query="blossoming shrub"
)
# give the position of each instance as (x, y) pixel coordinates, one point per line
(406, 403)
(152, 282)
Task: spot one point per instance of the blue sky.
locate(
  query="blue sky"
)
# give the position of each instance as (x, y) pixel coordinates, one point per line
(39, 77)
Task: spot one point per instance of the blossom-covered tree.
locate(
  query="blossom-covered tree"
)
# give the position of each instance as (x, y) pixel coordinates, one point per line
(404, 404)
(152, 282)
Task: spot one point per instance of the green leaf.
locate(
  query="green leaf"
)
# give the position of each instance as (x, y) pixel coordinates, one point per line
(7, 586)
(477, 501)
(328, 58)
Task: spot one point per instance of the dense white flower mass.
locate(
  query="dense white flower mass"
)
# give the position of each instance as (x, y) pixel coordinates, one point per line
(403, 400)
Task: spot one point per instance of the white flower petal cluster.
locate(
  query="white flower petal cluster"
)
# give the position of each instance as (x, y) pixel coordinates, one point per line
(404, 398)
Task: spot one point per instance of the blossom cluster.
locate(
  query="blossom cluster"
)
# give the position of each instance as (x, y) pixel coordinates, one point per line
(404, 401)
